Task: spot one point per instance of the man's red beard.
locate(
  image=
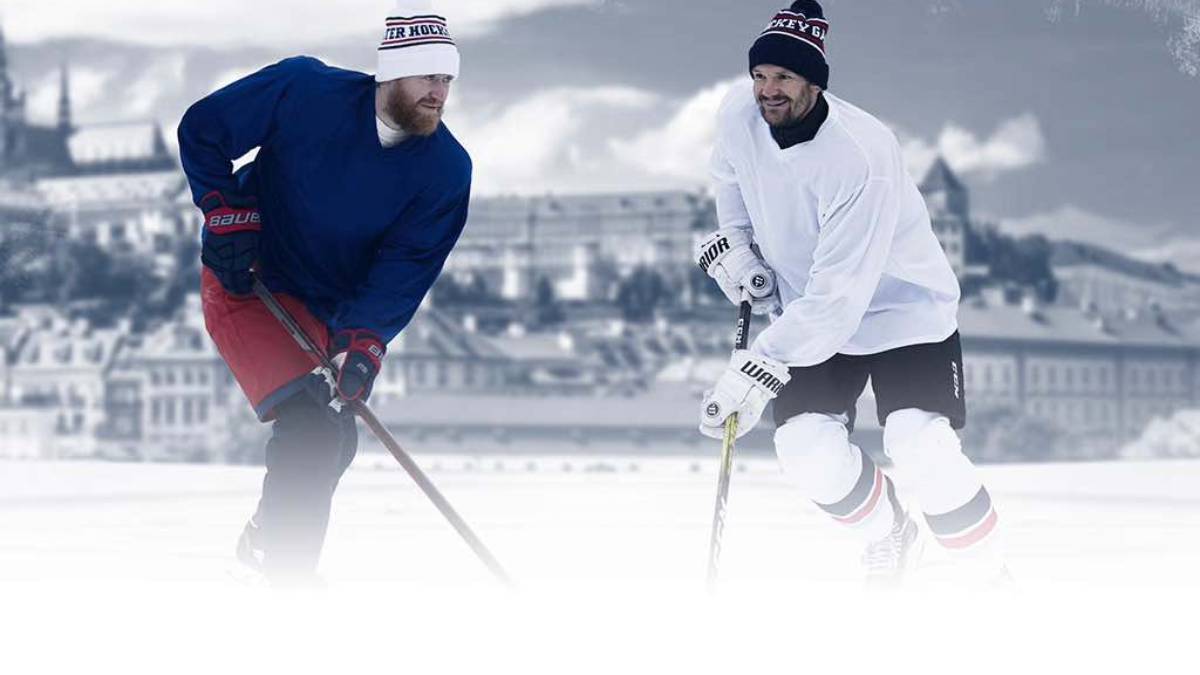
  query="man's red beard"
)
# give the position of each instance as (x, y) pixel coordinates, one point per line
(414, 117)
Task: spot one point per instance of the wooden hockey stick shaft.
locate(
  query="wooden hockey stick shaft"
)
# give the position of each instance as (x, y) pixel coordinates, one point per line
(740, 340)
(368, 417)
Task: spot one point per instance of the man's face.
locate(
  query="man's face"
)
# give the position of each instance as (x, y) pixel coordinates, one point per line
(783, 96)
(416, 103)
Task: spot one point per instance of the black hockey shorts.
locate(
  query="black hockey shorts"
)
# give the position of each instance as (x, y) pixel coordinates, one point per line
(925, 376)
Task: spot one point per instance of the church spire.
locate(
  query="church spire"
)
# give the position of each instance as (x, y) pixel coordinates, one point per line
(3, 54)
(64, 102)
(6, 88)
(943, 190)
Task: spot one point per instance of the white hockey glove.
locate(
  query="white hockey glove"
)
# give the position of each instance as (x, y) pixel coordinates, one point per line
(726, 256)
(744, 388)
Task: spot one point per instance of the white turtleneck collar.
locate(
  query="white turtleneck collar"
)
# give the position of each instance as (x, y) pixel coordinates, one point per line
(388, 136)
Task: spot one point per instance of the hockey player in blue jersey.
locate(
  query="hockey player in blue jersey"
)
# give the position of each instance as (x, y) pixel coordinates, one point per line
(347, 213)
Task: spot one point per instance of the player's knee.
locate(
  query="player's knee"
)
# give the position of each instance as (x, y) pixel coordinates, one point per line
(308, 438)
(809, 443)
(920, 442)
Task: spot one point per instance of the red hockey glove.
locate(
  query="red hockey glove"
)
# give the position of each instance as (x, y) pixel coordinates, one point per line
(229, 241)
(363, 358)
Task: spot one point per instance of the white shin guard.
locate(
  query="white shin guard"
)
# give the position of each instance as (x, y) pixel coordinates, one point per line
(928, 463)
(819, 459)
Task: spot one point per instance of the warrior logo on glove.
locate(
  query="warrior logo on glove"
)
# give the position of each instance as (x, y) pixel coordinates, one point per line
(713, 251)
(745, 388)
(762, 376)
(728, 256)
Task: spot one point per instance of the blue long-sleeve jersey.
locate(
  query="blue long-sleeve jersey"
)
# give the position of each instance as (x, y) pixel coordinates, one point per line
(357, 231)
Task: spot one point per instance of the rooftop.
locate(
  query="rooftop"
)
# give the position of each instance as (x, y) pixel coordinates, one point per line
(110, 188)
(434, 334)
(1069, 325)
(117, 143)
(940, 178)
(552, 206)
(69, 347)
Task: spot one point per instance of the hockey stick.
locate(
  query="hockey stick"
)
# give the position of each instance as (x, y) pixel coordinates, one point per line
(740, 340)
(368, 417)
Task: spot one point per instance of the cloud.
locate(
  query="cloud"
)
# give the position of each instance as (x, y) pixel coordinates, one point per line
(87, 87)
(582, 143)
(680, 148)
(289, 23)
(229, 77)
(165, 76)
(543, 142)
(1016, 144)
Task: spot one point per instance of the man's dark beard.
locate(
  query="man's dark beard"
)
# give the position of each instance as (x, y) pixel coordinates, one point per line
(804, 129)
(763, 112)
(411, 116)
(790, 120)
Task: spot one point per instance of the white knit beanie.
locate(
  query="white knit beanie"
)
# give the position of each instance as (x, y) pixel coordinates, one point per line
(416, 42)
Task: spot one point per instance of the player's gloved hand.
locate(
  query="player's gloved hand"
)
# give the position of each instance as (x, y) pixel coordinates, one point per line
(744, 388)
(726, 256)
(229, 240)
(358, 354)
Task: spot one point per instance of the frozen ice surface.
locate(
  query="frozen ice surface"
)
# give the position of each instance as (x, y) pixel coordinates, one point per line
(123, 568)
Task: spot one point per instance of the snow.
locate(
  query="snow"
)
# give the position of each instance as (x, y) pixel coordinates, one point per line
(122, 568)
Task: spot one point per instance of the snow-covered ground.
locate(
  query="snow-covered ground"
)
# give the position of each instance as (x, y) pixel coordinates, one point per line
(123, 568)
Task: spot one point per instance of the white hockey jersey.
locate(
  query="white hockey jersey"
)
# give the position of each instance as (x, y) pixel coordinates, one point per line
(845, 229)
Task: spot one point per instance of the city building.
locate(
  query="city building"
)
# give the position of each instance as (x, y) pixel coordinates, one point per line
(948, 203)
(434, 353)
(26, 149)
(169, 394)
(27, 432)
(116, 185)
(582, 244)
(1100, 377)
(63, 367)
(29, 151)
(661, 420)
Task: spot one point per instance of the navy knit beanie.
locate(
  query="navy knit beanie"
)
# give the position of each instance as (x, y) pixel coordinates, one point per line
(795, 39)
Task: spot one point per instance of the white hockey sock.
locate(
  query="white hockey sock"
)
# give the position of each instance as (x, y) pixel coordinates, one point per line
(818, 457)
(930, 465)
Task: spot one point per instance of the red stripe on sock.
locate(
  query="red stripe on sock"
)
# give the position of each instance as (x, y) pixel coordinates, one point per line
(868, 508)
(974, 536)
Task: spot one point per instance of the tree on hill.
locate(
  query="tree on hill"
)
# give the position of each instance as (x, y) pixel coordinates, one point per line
(1023, 261)
(547, 310)
(641, 294)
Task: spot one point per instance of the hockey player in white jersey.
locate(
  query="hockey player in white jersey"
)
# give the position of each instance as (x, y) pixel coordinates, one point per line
(812, 194)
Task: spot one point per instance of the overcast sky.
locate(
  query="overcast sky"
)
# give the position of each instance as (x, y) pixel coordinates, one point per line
(282, 23)
(1071, 117)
